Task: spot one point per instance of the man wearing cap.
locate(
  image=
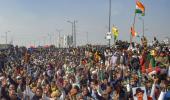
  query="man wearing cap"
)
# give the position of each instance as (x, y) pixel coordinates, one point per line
(139, 94)
(20, 87)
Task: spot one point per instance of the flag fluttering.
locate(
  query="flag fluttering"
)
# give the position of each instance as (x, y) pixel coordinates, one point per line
(115, 32)
(140, 8)
(133, 32)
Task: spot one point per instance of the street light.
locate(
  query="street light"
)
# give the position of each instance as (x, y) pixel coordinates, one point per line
(73, 31)
(109, 19)
(108, 35)
(75, 34)
(72, 25)
(59, 32)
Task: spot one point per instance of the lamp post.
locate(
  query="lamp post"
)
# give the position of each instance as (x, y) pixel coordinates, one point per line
(59, 33)
(73, 23)
(109, 19)
(75, 34)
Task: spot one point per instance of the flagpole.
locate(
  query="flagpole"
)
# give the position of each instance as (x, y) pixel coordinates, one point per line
(143, 26)
(133, 28)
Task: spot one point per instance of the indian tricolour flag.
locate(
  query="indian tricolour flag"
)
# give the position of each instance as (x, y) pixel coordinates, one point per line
(139, 8)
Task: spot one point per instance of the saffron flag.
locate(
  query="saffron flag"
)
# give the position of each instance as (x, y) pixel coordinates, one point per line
(133, 32)
(115, 32)
(140, 8)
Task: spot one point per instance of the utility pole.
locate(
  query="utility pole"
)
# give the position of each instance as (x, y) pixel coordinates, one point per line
(73, 31)
(109, 19)
(75, 34)
(59, 38)
(72, 25)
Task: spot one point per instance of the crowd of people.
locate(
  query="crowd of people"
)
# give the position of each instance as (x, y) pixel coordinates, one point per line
(121, 72)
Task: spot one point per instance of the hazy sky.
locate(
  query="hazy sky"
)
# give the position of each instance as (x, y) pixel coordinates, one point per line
(30, 21)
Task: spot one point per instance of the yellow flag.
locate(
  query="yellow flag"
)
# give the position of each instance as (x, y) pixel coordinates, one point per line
(115, 32)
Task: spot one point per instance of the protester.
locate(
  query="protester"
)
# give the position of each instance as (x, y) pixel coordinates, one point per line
(86, 73)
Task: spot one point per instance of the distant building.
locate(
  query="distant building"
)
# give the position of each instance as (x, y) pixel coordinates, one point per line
(66, 41)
